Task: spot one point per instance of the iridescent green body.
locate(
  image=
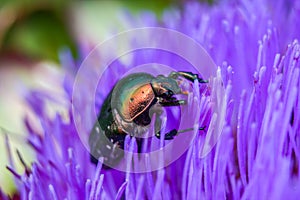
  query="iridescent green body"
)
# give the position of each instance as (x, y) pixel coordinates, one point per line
(133, 95)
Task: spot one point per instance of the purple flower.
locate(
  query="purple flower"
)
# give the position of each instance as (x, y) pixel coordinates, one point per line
(258, 153)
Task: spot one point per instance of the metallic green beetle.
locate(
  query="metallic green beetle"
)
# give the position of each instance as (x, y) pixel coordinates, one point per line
(128, 109)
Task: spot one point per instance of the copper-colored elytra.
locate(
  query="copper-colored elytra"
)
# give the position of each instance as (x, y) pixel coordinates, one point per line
(138, 101)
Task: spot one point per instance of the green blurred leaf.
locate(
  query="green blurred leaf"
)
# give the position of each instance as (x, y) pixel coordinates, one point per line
(40, 35)
(156, 6)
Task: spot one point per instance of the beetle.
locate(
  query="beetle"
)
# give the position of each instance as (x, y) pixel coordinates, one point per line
(128, 108)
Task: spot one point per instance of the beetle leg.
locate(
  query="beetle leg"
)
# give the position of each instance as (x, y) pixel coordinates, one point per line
(187, 75)
(171, 134)
(158, 121)
(168, 136)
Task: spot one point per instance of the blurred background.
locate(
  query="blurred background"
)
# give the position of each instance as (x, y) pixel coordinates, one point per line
(33, 34)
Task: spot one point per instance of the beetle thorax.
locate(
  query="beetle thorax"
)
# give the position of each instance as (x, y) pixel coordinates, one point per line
(165, 86)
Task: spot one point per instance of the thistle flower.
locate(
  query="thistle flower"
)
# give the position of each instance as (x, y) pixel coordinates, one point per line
(257, 154)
